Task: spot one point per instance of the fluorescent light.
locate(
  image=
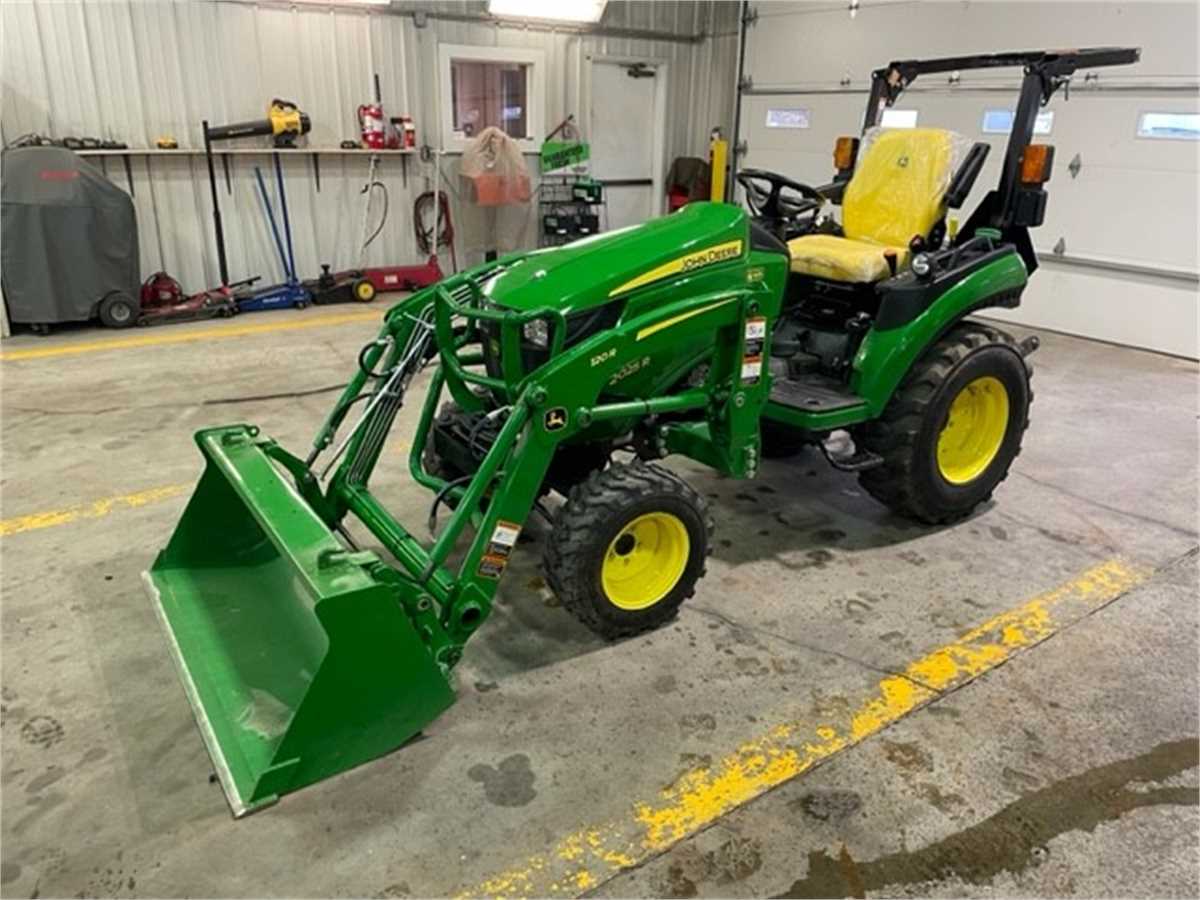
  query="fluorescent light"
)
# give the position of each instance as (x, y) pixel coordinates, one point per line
(334, 4)
(549, 10)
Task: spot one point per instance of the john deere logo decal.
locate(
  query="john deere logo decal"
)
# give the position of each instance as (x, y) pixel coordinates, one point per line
(687, 263)
(555, 419)
(712, 255)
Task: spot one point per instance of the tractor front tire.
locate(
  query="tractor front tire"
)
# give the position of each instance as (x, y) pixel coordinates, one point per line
(953, 428)
(433, 462)
(627, 548)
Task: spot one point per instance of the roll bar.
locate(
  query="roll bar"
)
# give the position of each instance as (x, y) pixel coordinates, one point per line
(1045, 71)
(1050, 67)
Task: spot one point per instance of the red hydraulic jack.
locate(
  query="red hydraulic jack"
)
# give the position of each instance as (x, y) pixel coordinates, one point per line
(363, 283)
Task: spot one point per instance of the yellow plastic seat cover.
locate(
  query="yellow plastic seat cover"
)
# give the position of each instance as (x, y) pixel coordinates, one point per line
(897, 192)
(841, 259)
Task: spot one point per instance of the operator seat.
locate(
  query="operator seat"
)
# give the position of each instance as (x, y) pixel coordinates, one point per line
(897, 193)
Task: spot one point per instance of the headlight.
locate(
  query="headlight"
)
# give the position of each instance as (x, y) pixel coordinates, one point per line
(537, 333)
(922, 265)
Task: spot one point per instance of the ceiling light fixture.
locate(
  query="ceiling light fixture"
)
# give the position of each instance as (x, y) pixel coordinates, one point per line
(549, 10)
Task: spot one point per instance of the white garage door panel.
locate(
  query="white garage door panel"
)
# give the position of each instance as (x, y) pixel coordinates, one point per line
(1150, 313)
(1102, 128)
(805, 154)
(828, 117)
(818, 43)
(1146, 218)
(1134, 198)
(806, 167)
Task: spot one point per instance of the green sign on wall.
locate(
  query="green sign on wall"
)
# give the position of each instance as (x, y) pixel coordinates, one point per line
(562, 155)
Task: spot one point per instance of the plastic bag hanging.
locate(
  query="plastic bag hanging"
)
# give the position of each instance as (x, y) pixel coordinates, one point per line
(494, 166)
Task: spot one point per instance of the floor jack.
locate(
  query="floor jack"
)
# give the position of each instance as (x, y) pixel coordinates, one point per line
(290, 292)
(363, 283)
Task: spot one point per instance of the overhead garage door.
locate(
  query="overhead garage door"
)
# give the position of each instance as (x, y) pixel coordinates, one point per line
(1122, 218)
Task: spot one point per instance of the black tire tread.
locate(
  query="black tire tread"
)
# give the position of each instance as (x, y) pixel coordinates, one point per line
(894, 434)
(430, 458)
(602, 494)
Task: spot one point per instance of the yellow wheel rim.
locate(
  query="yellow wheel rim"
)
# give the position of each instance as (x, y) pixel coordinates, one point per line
(974, 430)
(645, 561)
(365, 291)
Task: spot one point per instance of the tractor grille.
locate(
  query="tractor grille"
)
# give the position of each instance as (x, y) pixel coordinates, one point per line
(580, 326)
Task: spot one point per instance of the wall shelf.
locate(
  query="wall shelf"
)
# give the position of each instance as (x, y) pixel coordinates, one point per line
(311, 153)
(247, 151)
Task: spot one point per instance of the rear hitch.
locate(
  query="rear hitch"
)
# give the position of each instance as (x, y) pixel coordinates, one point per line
(1028, 345)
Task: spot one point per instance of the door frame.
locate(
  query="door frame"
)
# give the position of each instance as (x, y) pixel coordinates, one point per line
(659, 137)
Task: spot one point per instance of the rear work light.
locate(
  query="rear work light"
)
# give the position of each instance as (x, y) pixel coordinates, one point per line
(844, 153)
(1036, 163)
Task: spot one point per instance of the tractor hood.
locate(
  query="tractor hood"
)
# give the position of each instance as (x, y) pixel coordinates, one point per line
(591, 271)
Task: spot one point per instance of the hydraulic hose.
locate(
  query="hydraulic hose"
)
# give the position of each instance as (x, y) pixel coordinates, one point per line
(422, 208)
(383, 218)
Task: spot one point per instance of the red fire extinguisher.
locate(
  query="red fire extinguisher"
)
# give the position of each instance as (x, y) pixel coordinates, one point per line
(371, 123)
(408, 136)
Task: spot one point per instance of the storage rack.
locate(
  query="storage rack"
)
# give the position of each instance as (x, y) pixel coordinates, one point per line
(578, 217)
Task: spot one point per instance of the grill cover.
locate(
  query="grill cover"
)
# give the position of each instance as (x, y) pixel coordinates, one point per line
(69, 236)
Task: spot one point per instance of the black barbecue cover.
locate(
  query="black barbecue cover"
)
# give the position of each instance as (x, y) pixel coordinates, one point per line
(69, 236)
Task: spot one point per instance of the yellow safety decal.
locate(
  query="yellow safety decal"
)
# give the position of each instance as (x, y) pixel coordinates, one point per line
(675, 320)
(719, 253)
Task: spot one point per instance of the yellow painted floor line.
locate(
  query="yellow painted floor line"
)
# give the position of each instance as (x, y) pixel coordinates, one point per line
(97, 509)
(184, 334)
(594, 853)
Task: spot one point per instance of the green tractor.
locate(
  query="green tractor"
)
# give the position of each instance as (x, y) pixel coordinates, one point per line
(707, 333)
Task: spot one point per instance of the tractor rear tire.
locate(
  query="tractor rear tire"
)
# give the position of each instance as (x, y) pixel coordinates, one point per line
(627, 548)
(953, 428)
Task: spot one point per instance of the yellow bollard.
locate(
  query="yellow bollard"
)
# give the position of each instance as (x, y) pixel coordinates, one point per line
(718, 152)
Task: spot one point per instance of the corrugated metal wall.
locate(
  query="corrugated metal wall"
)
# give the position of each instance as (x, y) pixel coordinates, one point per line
(134, 71)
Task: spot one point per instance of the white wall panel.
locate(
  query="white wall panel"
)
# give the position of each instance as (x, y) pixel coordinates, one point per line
(1134, 200)
(135, 71)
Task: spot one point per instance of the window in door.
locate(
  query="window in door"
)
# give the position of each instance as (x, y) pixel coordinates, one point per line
(489, 93)
(484, 87)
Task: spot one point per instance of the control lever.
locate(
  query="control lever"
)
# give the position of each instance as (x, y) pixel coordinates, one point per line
(890, 257)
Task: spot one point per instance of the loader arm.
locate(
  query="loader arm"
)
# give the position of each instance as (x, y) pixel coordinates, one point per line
(362, 648)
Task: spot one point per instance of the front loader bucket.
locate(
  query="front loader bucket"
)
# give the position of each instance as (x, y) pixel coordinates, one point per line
(299, 663)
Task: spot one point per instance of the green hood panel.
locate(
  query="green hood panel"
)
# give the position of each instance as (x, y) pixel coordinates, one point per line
(591, 271)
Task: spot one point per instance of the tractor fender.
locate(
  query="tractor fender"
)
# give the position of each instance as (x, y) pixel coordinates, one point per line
(886, 356)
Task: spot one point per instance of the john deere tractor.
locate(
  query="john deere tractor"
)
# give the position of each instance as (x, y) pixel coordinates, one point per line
(710, 334)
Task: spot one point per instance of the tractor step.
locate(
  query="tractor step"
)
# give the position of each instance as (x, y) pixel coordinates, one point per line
(813, 394)
(843, 454)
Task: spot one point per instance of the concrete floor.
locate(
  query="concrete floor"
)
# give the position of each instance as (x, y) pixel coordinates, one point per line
(825, 718)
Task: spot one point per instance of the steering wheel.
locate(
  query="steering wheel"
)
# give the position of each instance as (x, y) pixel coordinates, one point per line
(766, 198)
